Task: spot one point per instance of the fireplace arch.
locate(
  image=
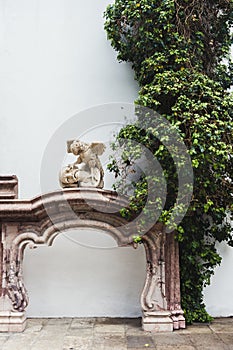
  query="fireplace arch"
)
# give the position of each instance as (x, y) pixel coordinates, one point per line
(84, 274)
(39, 220)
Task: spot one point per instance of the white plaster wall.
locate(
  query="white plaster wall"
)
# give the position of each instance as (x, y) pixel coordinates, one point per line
(54, 62)
(83, 281)
(218, 296)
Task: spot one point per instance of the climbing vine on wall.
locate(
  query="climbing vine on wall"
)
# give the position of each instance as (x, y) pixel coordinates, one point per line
(179, 50)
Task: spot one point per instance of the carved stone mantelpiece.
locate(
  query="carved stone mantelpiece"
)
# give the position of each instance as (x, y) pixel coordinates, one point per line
(38, 221)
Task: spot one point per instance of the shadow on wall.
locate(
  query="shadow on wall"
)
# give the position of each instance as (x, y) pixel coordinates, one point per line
(84, 274)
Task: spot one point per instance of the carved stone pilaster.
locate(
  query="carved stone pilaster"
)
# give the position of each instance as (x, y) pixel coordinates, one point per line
(13, 297)
(156, 317)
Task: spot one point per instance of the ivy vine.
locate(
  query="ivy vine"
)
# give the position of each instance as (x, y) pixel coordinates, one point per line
(180, 52)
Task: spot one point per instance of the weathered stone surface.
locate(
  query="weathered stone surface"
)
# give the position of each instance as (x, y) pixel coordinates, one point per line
(171, 339)
(76, 342)
(80, 332)
(111, 321)
(145, 341)
(221, 327)
(45, 344)
(133, 323)
(136, 331)
(22, 341)
(86, 339)
(33, 329)
(176, 347)
(82, 323)
(221, 320)
(204, 341)
(59, 321)
(227, 338)
(107, 341)
(3, 339)
(198, 328)
(110, 328)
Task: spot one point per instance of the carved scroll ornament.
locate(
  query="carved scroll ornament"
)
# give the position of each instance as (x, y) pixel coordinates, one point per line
(13, 284)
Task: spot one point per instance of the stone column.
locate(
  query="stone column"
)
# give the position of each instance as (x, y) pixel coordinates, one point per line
(13, 299)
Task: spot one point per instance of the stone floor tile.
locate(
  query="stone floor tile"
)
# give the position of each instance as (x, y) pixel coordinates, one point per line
(33, 328)
(202, 341)
(176, 347)
(35, 325)
(77, 343)
(222, 327)
(59, 321)
(80, 332)
(227, 320)
(46, 344)
(227, 338)
(210, 347)
(42, 321)
(136, 331)
(82, 322)
(18, 342)
(109, 347)
(110, 328)
(171, 339)
(55, 329)
(17, 346)
(51, 334)
(144, 348)
(108, 320)
(135, 323)
(115, 334)
(198, 328)
(36, 321)
(143, 341)
(3, 339)
(107, 341)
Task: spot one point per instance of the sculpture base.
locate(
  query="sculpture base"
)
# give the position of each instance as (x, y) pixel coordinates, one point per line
(12, 321)
(178, 319)
(157, 321)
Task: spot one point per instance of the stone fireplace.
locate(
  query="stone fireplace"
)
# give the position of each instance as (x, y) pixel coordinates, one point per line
(39, 220)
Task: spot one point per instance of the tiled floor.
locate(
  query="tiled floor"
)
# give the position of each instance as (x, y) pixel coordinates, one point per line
(115, 334)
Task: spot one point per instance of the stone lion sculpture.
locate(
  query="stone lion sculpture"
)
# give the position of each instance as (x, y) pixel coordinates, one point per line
(87, 170)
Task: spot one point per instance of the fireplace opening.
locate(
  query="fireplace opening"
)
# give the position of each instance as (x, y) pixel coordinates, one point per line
(84, 274)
